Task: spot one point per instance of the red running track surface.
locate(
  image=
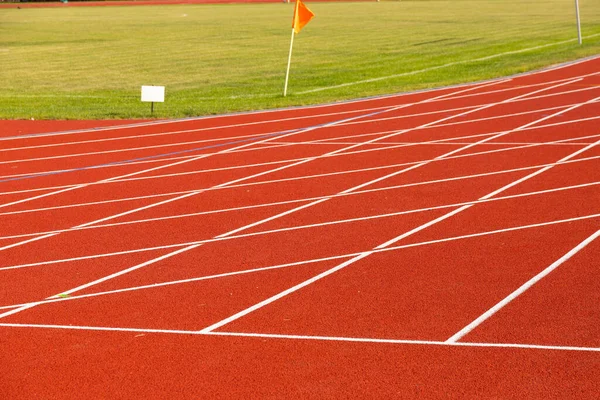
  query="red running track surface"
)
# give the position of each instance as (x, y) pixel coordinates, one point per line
(433, 244)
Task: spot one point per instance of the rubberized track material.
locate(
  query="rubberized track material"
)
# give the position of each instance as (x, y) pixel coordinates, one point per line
(432, 244)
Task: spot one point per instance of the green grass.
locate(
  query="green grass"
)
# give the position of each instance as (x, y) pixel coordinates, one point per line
(89, 62)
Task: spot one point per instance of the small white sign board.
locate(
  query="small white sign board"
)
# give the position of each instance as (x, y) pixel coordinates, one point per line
(153, 94)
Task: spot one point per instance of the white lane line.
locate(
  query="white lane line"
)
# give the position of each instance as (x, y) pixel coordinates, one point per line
(475, 120)
(324, 274)
(439, 141)
(170, 200)
(303, 337)
(395, 341)
(124, 149)
(578, 142)
(468, 155)
(79, 186)
(113, 128)
(143, 148)
(489, 195)
(393, 144)
(175, 144)
(502, 303)
(337, 195)
(420, 71)
(302, 262)
(408, 144)
(524, 168)
(119, 164)
(111, 276)
(178, 251)
(414, 167)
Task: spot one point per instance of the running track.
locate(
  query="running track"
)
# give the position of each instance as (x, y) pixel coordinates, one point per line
(432, 244)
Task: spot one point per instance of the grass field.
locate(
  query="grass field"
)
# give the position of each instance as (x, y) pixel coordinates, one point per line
(89, 62)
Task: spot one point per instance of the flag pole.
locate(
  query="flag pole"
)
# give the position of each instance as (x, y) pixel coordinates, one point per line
(578, 21)
(287, 74)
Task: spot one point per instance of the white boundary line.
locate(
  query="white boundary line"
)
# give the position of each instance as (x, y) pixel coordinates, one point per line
(277, 120)
(524, 168)
(275, 181)
(202, 129)
(209, 154)
(362, 255)
(501, 304)
(303, 337)
(408, 163)
(456, 143)
(340, 138)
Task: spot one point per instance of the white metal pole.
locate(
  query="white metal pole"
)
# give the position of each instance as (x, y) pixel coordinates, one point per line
(578, 20)
(287, 74)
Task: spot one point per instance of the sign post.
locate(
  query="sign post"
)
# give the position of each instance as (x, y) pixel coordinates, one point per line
(153, 94)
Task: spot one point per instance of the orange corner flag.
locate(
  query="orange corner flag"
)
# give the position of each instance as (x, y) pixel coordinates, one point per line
(302, 15)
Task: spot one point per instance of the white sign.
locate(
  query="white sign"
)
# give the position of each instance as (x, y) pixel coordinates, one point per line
(153, 93)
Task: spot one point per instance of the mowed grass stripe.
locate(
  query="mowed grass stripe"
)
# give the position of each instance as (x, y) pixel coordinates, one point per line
(89, 62)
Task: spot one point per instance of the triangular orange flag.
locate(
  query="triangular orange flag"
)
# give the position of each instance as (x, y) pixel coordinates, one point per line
(302, 15)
